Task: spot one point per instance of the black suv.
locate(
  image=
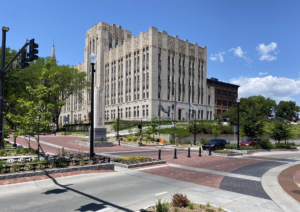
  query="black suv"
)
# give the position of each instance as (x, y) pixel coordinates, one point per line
(215, 144)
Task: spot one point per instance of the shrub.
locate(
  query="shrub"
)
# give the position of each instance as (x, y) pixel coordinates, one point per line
(2, 152)
(162, 207)
(172, 141)
(191, 206)
(130, 139)
(203, 141)
(180, 200)
(265, 143)
(231, 146)
(135, 139)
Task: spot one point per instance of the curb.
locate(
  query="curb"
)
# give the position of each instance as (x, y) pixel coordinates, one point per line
(139, 164)
(272, 187)
(55, 171)
(47, 182)
(144, 209)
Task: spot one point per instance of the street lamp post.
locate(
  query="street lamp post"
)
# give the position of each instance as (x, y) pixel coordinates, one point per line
(238, 127)
(172, 117)
(93, 59)
(4, 31)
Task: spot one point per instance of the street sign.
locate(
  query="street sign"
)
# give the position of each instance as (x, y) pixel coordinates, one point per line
(234, 128)
(66, 119)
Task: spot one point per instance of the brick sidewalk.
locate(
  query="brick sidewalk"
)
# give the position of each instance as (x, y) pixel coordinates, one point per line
(65, 141)
(287, 182)
(44, 177)
(217, 163)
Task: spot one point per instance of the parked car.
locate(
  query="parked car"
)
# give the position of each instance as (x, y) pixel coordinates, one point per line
(215, 144)
(250, 142)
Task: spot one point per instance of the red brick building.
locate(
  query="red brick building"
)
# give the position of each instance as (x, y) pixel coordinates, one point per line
(225, 95)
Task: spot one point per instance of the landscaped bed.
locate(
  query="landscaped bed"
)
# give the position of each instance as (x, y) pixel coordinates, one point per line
(180, 203)
(18, 152)
(62, 160)
(136, 161)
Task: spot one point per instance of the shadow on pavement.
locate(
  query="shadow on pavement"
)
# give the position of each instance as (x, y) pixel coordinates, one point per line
(88, 207)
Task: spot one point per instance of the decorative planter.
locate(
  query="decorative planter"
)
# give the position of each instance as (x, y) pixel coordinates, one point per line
(104, 144)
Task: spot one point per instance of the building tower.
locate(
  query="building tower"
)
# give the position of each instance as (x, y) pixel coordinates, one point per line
(53, 51)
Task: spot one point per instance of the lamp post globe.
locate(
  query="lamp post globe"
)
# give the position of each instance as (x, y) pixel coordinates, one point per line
(93, 59)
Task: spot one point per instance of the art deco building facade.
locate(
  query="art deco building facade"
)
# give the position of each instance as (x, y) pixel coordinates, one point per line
(143, 72)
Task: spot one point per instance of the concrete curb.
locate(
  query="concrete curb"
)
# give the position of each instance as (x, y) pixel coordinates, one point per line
(139, 164)
(48, 182)
(59, 170)
(143, 209)
(276, 192)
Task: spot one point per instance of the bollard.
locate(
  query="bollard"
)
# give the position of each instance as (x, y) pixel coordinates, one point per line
(44, 132)
(175, 153)
(119, 142)
(189, 153)
(209, 151)
(200, 152)
(55, 133)
(159, 153)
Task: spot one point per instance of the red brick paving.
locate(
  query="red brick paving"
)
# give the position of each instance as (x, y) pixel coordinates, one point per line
(287, 182)
(297, 177)
(43, 177)
(217, 163)
(200, 178)
(65, 141)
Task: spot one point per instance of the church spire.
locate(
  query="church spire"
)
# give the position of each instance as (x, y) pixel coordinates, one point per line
(53, 51)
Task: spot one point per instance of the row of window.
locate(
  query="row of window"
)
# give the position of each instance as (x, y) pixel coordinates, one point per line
(128, 113)
(224, 102)
(226, 93)
(77, 118)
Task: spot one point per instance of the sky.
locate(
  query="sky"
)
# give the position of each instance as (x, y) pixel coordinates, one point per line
(252, 43)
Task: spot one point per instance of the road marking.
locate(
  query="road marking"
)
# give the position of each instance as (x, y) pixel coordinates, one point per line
(161, 193)
(104, 209)
(150, 168)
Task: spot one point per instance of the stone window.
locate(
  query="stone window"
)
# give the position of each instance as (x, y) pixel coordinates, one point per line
(208, 99)
(224, 92)
(147, 110)
(219, 91)
(219, 102)
(229, 103)
(224, 103)
(229, 93)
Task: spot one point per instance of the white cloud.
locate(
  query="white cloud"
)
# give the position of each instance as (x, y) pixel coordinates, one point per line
(237, 51)
(277, 88)
(218, 56)
(261, 73)
(265, 51)
(240, 53)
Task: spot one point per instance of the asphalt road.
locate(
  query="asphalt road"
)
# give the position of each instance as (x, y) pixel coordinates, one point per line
(128, 190)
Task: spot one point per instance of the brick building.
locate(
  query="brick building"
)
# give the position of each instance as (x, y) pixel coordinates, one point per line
(225, 95)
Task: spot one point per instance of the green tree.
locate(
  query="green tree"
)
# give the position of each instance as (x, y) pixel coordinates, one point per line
(263, 107)
(281, 131)
(153, 127)
(216, 131)
(36, 113)
(69, 81)
(287, 110)
(253, 124)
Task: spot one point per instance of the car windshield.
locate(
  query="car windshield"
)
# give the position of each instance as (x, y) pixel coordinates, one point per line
(247, 140)
(214, 141)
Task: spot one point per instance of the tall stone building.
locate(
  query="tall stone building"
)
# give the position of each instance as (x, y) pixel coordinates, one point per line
(143, 72)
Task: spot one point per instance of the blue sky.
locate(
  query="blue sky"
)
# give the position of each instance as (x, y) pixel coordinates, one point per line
(250, 43)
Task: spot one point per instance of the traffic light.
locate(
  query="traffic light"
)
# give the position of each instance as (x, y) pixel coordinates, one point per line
(4, 105)
(24, 60)
(33, 50)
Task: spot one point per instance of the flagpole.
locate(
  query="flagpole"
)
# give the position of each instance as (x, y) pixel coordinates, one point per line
(189, 108)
